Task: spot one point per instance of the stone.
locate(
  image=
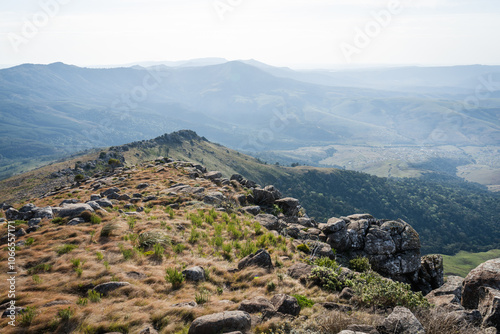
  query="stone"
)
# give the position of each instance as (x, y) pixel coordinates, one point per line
(257, 305)
(261, 258)
(34, 221)
(268, 221)
(449, 302)
(12, 214)
(148, 330)
(237, 177)
(76, 221)
(194, 274)
(29, 207)
(214, 197)
(113, 196)
(401, 321)
(95, 197)
(106, 288)
(489, 306)
(253, 210)
(334, 225)
(212, 175)
(94, 205)
(105, 203)
(266, 196)
(466, 317)
(430, 274)
(69, 201)
(110, 191)
(336, 307)
(300, 270)
(45, 212)
(452, 286)
(358, 329)
(223, 322)
(286, 304)
(191, 304)
(360, 216)
(486, 274)
(379, 242)
(346, 293)
(322, 249)
(290, 206)
(142, 185)
(15, 310)
(72, 210)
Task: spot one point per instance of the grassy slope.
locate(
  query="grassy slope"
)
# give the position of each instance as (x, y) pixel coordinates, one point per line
(463, 262)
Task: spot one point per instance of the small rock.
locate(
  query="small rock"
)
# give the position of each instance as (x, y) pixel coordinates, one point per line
(337, 307)
(213, 175)
(105, 203)
(106, 288)
(69, 201)
(186, 304)
(110, 191)
(286, 304)
(489, 306)
(95, 197)
(34, 221)
(401, 321)
(76, 221)
(253, 210)
(261, 258)
(257, 305)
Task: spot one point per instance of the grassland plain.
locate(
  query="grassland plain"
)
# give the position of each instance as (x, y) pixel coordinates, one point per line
(463, 262)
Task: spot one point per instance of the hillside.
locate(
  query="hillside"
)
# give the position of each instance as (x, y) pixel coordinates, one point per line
(449, 214)
(49, 111)
(168, 247)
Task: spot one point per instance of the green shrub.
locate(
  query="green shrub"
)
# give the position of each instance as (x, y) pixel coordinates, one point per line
(329, 278)
(304, 248)
(29, 241)
(196, 220)
(325, 262)
(179, 248)
(65, 314)
(40, 268)
(226, 251)
(194, 236)
(86, 215)
(303, 301)
(94, 296)
(248, 248)
(170, 212)
(76, 263)
(79, 178)
(27, 316)
(66, 248)
(151, 238)
(271, 286)
(58, 221)
(257, 228)
(36, 279)
(95, 219)
(373, 290)
(202, 297)
(174, 277)
(82, 301)
(360, 264)
(99, 255)
(158, 251)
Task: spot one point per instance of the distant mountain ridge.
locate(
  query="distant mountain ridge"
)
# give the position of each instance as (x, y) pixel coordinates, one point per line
(51, 110)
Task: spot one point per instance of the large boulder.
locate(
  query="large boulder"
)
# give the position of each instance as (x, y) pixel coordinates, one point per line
(223, 322)
(452, 286)
(106, 288)
(486, 274)
(489, 306)
(71, 210)
(286, 304)
(261, 258)
(401, 321)
(213, 175)
(300, 270)
(266, 196)
(194, 274)
(268, 221)
(13, 214)
(430, 274)
(290, 206)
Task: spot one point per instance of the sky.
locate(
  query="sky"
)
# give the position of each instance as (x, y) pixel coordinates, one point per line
(294, 33)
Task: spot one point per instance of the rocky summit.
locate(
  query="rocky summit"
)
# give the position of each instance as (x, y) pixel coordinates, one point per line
(167, 246)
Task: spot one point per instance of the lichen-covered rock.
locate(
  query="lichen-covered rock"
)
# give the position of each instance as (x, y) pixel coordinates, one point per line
(489, 306)
(268, 221)
(194, 274)
(257, 305)
(300, 270)
(486, 274)
(223, 322)
(72, 210)
(290, 206)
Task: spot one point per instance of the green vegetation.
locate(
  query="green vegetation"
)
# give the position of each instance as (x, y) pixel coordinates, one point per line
(174, 277)
(39, 268)
(66, 248)
(360, 264)
(303, 301)
(463, 262)
(65, 314)
(27, 316)
(94, 296)
(202, 297)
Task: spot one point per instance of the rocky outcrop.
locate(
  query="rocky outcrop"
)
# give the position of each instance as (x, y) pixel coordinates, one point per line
(486, 274)
(286, 304)
(71, 210)
(489, 307)
(223, 322)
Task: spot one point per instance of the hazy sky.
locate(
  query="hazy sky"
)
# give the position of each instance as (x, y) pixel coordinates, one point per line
(297, 33)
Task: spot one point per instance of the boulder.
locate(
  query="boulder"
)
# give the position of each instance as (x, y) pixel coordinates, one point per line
(45, 212)
(257, 305)
(110, 191)
(334, 225)
(212, 175)
(290, 206)
(266, 196)
(69, 201)
(142, 185)
(452, 286)
(28, 207)
(466, 317)
(13, 214)
(191, 304)
(253, 210)
(486, 274)
(94, 205)
(223, 322)
(261, 258)
(401, 321)
(357, 329)
(34, 221)
(76, 221)
(106, 288)
(105, 203)
(268, 221)
(286, 304)
(237, 177)
(489, 306)
(194, 274)
(379, 242)
(71, 210)
(430, 274)
(214, 197)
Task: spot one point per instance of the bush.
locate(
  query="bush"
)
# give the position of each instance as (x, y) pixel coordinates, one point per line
(82, 301)
(66, 248)
(151, 238)
(27, 316)
(373, 290)
(248, 248)
(271, 286)
(65, 314)
(36, 279)
(79, 178)
(194, 236)
(29, 241)
(86, 215)
(326, 262)
(304, 248)
(40, 268)
(202, 297)
(174, 277)
(329, 278)
(360, 264)
(179, 248)
(58, 221)
(158, 251)
(94, 296)
(303, 301)
(95, 219)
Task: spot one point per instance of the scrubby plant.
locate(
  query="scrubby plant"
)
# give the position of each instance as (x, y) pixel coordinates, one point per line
(58, 221)
(79, 178)
(66, 248)
(29, 241)
(304, 248)
(94, 296)
(303, 301)
(194, 236)
(248, 248)
(257, 228)
(40, 268)
(27, 316)
(65, 314)
(202, 297)
(325, 262)
(170, 212)
(174, 277)
(82, 301)
(99, 256)
(329, 278)
(108, 229)
(360, 264)
(158, 251)
(179, 248)
(149, 239)
(86, 215)
(270, 286)
(226, 251)
(36, 279)
(95, 219)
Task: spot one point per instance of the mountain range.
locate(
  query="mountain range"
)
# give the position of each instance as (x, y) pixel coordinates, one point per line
(348, 119)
